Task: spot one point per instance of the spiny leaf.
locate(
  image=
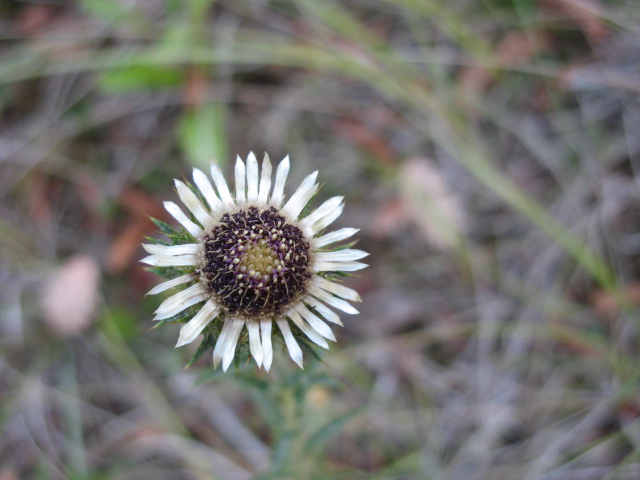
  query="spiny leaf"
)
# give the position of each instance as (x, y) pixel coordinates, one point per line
(163, 227)
(306, 347)
(209, 341)
(156, 241)
(324, 434)
(335, 274)
(182, 237)
(169, 272)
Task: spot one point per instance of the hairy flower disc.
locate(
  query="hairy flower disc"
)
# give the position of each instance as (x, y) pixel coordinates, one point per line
(255, 263)
(250, 259)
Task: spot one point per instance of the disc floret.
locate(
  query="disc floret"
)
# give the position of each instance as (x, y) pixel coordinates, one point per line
(255, 263)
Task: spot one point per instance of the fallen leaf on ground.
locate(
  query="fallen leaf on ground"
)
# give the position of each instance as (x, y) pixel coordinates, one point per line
(587, 14)
(33, 19)
(514, 49)
(367, 139)
(431, 203)
(70, 296)
(124, 247)
(390, 217)
(609, 306)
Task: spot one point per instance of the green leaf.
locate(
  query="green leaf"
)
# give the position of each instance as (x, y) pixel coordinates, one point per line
(163, 227)
(177, 237)
(305, 346)
(106, 9)
(201, 135)
(329, 430)
(182, 237)
(169, 272)
(138, 77)
(309, 206)
(209, 341)
(156, 241)
(124, 322)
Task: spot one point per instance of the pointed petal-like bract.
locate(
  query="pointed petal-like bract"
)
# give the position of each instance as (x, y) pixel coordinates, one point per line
(186, 249)
(221, 185)
(226, 344)
(322, 211)
(252, 178)
(195, 231)
(294, 349)
(205, 187)
(170, 260)
(241, 176)
(231, 343)
(305, 191)
(333, 301)
(180, 301)
(254, 341)
(189, 277)
(325, 311)
(219, 348)
(345, 255)
(314, 336)
(194, 327)
(328, 219)
(338, 266)
(193, 204)
(267, 348)
(265, 181)
(281, 178)
(337, 289)
(315, 323)
(333, 237)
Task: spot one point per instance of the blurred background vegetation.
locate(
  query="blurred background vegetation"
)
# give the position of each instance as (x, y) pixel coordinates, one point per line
(488, 150)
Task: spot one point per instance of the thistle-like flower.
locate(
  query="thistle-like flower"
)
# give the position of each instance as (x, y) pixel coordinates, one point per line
(250, 259)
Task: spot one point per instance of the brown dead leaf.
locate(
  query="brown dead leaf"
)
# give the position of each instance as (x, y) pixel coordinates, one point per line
(390, 217)
(60, 33)
(606, 305)
(514, 49)
(367, 139)
(8, 473)
(587, 76)
(90, 191)
(33, 19)
(586, 13)
(517, 47)
(124, 247)
(196, 88)
(141, 203)
(629, 411)
(431, 203)
(38, 198)
(70, 296)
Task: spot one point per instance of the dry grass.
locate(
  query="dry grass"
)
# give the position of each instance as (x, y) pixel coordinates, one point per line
(489, 152)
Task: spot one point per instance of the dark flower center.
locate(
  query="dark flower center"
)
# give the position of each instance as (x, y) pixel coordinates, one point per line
(255, 263)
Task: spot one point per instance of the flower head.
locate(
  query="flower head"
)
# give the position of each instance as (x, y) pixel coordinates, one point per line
(250, 259)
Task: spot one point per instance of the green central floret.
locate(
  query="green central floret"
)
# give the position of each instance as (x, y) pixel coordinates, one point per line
(260, 258)
(255, 263)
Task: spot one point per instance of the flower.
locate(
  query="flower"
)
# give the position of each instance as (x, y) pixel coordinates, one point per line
(252, 259)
